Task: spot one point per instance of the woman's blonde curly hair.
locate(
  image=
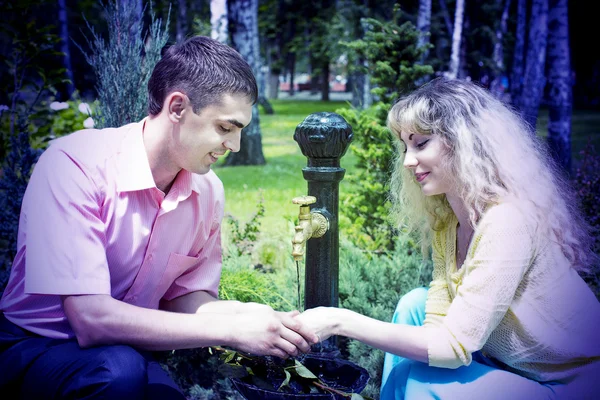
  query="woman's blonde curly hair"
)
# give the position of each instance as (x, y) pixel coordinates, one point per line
(492, 156)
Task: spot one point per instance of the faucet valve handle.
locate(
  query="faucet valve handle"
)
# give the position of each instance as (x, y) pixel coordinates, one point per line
(304, 200)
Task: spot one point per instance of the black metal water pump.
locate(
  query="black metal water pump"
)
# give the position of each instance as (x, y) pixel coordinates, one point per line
(323, 138)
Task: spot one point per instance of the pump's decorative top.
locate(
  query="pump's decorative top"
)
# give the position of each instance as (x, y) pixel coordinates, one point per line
(323, 135)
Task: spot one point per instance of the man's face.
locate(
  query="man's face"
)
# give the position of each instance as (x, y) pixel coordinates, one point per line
(202, 138)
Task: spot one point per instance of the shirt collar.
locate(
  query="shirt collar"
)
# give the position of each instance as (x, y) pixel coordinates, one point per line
(184, 185)
(134, 168)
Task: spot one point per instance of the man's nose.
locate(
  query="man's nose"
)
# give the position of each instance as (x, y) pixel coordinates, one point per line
(233, 142)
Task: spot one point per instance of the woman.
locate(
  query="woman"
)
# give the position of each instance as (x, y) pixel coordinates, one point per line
(507, 314)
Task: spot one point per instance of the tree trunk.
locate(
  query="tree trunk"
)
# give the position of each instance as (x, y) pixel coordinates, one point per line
(243, 26)
(447, 19)
(262, 97)
(69, 87)
(271, 76)
(290, 56)
(219, 20)
(182, 28)
(424, 25)
(456, 39)
(497, 86)
(361, 88)
(273, 86)
(291, 66)
(462, 64)
(535, 80)
(560, 84)
(315, 78)
(516, 80)
(360, 79)
(325, 80)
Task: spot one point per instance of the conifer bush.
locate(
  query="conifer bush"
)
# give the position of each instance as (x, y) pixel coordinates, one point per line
(198, 372)
(124, 63)
(29, 79)
(586, 181)
(391, 51)
(16, 171)
(372, 286)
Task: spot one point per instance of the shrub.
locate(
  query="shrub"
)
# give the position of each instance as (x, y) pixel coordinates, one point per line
(392, 53)
(197, 371)
(372, 285)
(587, 183)
(15, 175)
(244, 238)
(72, 115)
(123, 65)
(29, 78)
(368, 207)
(239, 281)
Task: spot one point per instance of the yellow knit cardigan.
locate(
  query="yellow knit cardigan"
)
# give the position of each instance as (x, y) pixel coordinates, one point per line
(515, 298)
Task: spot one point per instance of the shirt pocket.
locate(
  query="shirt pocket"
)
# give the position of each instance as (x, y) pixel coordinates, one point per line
(178, 264)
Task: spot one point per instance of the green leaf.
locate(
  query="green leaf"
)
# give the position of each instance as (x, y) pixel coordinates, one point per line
(230, 357)
(303, 371)
(286, 382)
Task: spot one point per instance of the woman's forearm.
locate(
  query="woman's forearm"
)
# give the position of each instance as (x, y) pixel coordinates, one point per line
(402, 340)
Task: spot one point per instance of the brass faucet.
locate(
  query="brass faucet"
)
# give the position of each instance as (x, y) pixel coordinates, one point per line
(310, 225)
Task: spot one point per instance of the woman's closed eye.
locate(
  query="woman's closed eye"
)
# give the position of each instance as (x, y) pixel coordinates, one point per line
(419, 145)
(422, 144)
(223, 129)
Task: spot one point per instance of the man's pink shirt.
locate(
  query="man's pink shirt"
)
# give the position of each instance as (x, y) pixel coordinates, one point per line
(94, 222)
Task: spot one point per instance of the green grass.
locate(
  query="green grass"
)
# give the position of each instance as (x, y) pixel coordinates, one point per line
(280, 180)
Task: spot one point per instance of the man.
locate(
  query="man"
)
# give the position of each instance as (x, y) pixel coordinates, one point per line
(119, 244)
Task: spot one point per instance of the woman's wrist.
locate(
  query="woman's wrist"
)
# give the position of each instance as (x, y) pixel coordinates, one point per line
(341, 321)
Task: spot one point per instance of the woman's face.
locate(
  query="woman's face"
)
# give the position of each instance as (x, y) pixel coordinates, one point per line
(425, 156)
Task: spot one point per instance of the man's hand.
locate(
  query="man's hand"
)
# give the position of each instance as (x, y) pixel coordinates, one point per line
(269, 332)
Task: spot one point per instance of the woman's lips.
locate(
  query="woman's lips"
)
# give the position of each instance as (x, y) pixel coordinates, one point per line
(421, 176)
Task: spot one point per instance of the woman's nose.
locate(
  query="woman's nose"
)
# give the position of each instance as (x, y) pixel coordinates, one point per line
(410, 161)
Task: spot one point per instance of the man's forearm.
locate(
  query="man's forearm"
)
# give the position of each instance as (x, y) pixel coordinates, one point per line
(100, 320)
(198, 301)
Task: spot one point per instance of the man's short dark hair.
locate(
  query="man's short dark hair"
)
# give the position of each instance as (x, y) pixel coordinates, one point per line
(203, 69)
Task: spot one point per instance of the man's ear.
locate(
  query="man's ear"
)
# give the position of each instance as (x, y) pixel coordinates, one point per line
(176, 104)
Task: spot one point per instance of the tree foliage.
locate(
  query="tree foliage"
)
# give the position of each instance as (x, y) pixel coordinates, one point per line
(124, 63)
(393, 55)
(27, 80)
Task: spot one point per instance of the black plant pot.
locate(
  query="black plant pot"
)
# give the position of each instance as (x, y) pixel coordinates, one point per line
(336, 373)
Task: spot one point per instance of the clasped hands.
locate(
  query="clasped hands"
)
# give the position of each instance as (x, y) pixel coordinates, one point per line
(264, 331)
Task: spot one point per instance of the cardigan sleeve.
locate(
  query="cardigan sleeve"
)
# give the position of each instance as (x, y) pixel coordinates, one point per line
(502, 252)
(438, 295)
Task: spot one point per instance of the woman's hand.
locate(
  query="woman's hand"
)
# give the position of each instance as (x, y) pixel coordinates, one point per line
(268, 332)
(324, 321)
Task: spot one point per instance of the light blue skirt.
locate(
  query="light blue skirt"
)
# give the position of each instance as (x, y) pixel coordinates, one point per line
(482, 379)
